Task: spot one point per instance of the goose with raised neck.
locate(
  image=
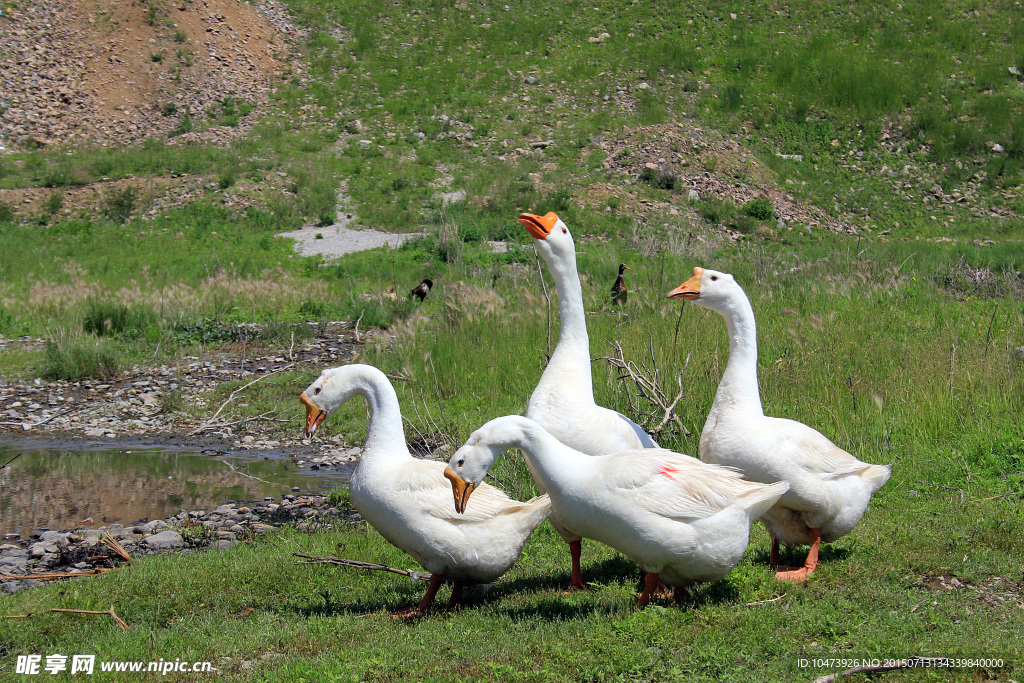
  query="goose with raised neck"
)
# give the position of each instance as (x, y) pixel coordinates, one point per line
(829, 489)
(563, 402)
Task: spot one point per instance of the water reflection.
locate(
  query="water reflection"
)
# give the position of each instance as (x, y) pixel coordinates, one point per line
(62, 488)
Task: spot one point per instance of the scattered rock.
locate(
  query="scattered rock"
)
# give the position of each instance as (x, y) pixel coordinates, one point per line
(165, 540)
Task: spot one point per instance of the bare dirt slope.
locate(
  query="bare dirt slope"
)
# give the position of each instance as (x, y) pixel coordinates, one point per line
(108, 71)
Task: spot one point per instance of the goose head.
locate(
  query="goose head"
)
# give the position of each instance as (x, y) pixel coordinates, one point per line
(551, 236)
(470, 464)
(708, 289)
(327, 393)
(623, 268)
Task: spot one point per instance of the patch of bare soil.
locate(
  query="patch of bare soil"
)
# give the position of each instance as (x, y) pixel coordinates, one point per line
(110, 72)
(996, 592)
(701, 161)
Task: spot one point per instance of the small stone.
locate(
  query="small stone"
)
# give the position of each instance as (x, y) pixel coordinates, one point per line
(164, 540)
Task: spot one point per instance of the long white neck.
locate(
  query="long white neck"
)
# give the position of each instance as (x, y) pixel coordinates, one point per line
(551, 462)
(571, 358)
(738, 392)
(385, 438)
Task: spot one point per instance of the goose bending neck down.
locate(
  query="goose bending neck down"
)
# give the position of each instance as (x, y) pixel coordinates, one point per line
(680, 519)
(563, 402)
(829, 489)
(408, 500)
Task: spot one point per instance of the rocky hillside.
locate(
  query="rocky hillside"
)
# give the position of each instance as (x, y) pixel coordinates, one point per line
(110, 72)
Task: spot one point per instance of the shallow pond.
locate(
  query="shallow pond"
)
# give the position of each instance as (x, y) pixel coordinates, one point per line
(63, 486)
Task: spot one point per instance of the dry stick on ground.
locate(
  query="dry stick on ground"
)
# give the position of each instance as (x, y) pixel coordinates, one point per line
(765, 602)
(209, 424)
(59, 413)
(117, 619)
(313, 559)
(112, 543)
(909, 663)
(358, 340)
(56, 575)
(648, 384)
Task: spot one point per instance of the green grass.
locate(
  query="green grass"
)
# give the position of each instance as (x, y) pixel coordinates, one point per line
(271, 619)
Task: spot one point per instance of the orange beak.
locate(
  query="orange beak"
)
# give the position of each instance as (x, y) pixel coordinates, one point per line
(539, 227)
(460, 489)
(314, 414)
(689, 290)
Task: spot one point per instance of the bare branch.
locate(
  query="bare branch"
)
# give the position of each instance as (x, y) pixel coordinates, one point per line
(647, 382)
(313, 559)
(209, 423)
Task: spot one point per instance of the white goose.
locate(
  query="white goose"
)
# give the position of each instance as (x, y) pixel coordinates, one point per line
(408, 501)
(563, 402)
(680, 519)
(829, 489)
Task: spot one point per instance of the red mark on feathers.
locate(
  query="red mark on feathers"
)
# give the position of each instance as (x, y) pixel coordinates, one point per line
(667, 470)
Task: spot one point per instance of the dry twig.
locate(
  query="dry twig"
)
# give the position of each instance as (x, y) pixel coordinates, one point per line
(56, 574)
(210, 424)
(117, 619)
(648, 385)
(765, 602)
(112, 543)
(313, 559)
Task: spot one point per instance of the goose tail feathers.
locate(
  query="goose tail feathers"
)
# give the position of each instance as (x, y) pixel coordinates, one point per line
(876, 476)
(762, 498)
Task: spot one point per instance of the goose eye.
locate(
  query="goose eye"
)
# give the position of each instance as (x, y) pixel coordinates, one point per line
(714, 278)
(564, 231)
(462, 462)
(317, 390)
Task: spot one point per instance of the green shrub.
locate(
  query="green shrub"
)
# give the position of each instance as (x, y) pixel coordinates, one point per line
(118, 205)
(71, 357)
(184, 126)
(104, 319)
(760, 208)
(660, 178)
(54, 203)
(716, 211)
(744, 223)
(7, 322)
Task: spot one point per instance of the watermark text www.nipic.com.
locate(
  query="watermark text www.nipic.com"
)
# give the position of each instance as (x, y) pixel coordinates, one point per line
(87, 664)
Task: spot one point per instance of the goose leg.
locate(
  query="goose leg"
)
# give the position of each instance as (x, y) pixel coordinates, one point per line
(651, 581)
(435, 583)
(456, 600)
(773, 559)
(810, 564)
(577, 574)
(679, 594)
